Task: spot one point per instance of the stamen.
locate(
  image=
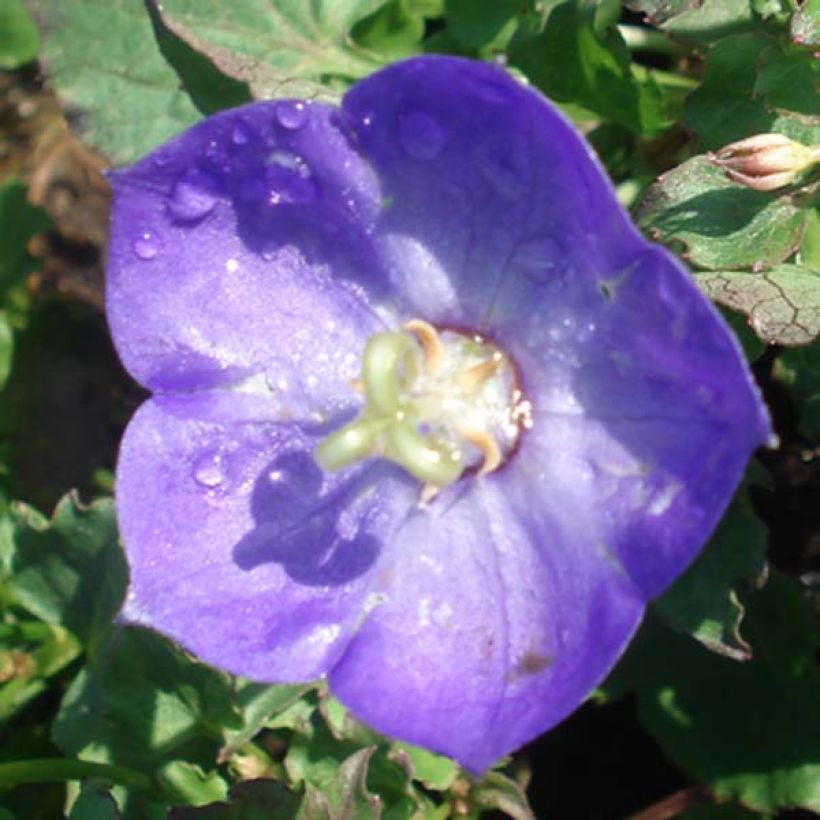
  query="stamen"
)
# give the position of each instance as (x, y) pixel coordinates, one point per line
(489, 449)
(430, 342)
(475, 375)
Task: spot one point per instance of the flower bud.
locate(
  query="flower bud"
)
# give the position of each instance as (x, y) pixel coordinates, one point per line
(766, 162)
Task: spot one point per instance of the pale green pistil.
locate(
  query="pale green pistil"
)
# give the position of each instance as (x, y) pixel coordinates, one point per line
(436, 404)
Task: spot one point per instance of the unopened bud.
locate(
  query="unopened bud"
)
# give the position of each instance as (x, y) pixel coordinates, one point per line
(766, 162)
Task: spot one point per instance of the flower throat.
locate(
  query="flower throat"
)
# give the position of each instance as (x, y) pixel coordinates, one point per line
(437, 403)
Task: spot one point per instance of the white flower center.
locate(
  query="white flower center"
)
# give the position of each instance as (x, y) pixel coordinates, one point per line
(438, 403)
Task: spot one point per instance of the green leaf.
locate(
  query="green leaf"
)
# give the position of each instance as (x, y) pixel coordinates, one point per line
(789, 79)
(571, 62)
(805, 24)
(659, 11)
(799, 370)
(58, 566)
(143, 703)
(712, 20)
(6, 348)
(129, 97)
(704, 601)
(435, 772)
(720, 225)
(30, 654)
(394, 31)
(782, 304)
(345, 795)
(258, 704)
(477, 24)
(301, 39)
(252, 800)
(190, 785)
(722, 109)
(198, 59)
(750, 730)
(19, 221)
(94, 803)
(497, 791)
(18, 35)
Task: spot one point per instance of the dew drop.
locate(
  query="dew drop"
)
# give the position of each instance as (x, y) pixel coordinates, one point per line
(193, 196)
(291, 114)
(209, 469)
(146, 245)
(240, 135)
(420, 135)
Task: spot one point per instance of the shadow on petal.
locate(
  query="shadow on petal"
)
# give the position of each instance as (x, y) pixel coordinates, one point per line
(317, 529)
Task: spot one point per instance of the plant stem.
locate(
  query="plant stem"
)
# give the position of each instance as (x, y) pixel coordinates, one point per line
(639, 38)
(58, 769)
(666, 78)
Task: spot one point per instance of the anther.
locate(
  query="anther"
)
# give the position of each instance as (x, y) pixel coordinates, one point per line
(477, 374)
(489, 449)
(430, 342)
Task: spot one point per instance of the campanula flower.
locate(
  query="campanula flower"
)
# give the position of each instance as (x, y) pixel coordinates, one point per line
(429, 417)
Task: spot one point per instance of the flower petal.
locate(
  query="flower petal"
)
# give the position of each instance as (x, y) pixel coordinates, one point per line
(487, 186)
(238, 249)
(496, 623)
(238, 546)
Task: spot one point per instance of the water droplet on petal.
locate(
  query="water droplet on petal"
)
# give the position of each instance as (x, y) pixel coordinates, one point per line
(146, 245)
(538, 257)
(420, 135)
(289, 179)
(209, 469)
(240, 134)
(193, 197)
(291, 114)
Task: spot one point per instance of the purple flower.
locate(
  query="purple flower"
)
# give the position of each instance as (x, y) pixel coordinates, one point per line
(506, 480)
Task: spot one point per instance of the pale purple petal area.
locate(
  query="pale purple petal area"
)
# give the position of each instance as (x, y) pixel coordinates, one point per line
(500, 615)
(488, 188)
(237, 253)
(239, 547)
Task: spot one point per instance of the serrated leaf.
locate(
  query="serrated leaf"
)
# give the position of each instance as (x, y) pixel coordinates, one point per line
(300, 39)
(197, 59)
(805, 24)
(251, 800)
(69, 571)
(749, 730)
(712, 20)
(704, 601)
(720, 225)
(497, 791)
(18, 35)
(142, 703)
(434, 772)
(345, 796)
(571, 62)
(782, 304)
(128, 96)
